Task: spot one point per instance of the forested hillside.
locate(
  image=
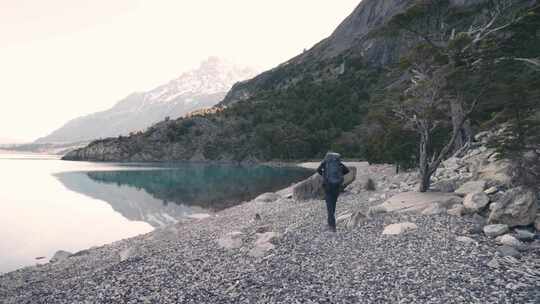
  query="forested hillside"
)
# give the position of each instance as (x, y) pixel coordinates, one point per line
(362, 91)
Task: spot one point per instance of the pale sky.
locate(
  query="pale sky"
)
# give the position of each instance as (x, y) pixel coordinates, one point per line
(60, 59)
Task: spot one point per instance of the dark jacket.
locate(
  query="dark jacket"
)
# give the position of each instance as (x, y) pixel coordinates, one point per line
(320, 170)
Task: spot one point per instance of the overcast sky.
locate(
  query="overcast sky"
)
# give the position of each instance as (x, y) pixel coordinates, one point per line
(60, 59)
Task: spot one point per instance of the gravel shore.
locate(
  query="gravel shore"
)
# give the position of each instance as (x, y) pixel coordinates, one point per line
(184, 264)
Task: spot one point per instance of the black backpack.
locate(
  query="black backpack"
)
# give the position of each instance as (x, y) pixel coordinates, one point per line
(333, 174)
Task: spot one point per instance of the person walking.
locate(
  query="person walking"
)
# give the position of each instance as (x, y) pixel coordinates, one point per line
(332, 170)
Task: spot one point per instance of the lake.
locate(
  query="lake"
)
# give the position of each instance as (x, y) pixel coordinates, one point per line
(47, 204)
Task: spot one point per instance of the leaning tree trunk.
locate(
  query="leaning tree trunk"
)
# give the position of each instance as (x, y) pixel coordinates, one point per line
(425, 175)
(460, 125)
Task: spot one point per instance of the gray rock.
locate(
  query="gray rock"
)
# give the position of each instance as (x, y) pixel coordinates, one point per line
(471, 187)
(399, 228)
(524, 235)
(475, 202)
(355, 219)
(456, 210)
(433, 210)
(537, 222)
(268, 197)
(516, 208)
(125, 254)
(446, 185)
(493, 263)
(495, 230)
(60, 255)
(509, 240)
(508, 251)
(263, 229)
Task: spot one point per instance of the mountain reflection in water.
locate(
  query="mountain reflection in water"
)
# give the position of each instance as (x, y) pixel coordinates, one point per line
(162, 196)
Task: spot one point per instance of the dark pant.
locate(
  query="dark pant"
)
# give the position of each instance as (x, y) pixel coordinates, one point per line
(331, 196)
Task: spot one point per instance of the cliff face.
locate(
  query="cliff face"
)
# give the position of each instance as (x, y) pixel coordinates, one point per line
(356, 35)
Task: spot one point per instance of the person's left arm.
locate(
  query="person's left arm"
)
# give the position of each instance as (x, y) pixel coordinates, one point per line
(344, 169)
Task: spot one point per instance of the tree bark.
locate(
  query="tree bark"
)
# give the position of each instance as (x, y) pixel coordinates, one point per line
(425, 176)
(463, 129)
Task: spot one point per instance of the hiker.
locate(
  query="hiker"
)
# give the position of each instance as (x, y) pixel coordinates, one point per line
(332, 170)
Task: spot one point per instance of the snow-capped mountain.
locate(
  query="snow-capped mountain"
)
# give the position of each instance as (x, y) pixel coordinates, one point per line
(193, 90)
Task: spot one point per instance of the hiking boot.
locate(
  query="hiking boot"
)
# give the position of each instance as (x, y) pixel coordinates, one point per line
(330, 229)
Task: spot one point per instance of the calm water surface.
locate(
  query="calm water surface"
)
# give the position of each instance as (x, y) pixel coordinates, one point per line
(47, 204)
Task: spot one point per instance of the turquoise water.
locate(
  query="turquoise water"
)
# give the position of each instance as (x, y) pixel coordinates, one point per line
(47, 204)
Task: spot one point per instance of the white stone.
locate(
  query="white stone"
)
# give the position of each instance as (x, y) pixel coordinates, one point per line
(475, 202)
(231, 240)
(509, 240)
(465, 239)
(199, 216)
(125, 254)
(491, 190)
(495, 230)
(399, 228)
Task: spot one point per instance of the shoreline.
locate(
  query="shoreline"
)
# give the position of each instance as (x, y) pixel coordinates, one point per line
(185, 262)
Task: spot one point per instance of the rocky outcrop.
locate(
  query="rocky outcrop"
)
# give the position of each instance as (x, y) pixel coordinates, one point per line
(517, 207)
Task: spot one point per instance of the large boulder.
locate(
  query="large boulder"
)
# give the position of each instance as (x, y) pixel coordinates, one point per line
(517, 207)
(509, 240)
(312, 188)
(475, 202)
(497, 172)
(537, 222)
(495, 230)
(471, 187)
(417, 202)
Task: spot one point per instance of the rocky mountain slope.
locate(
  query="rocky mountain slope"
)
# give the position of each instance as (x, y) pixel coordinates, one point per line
(193, 90)
(331, 97)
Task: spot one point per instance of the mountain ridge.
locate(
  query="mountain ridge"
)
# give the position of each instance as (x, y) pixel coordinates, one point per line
(202, 87)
